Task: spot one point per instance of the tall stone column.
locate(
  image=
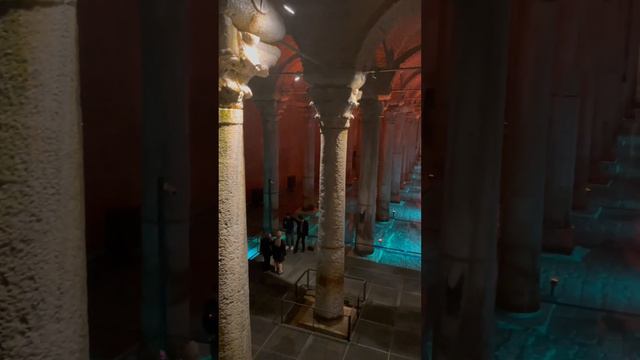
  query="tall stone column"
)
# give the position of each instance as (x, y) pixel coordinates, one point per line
(243, 54)
(525, 148)
(563, 130)
(588, 93)
(464, 329)
(165, 177)
(334, 105)
(269, 109)
(396, 171)
(43, 282)
(309, 186)
(371, 110)
(384, 166)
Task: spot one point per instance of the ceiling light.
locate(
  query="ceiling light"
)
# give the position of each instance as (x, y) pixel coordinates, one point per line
(289, 9)
(297, 78)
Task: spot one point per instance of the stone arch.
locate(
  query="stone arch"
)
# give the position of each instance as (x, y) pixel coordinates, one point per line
(383, 20)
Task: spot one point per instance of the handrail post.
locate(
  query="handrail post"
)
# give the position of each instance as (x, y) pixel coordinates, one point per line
(281, 311)
(307, 278)
(349, 330)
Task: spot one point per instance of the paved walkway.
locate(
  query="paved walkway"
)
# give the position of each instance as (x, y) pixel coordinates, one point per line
(595, 313)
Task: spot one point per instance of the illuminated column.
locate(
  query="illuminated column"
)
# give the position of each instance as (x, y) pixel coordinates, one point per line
(371, 110)
(335, 113)
(310, 198)
(242, 55)
(385, 163)
(398, 147)
(270, 110)
(525, 148)
(43, 285)
(465, 327)
(563, 130)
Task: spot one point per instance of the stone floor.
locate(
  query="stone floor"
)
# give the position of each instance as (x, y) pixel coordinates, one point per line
(595, 310)
(388, 328)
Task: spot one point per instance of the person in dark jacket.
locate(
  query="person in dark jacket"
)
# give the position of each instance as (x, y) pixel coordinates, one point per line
(303, 230)
(288, 223)
(279, 251)
(265, 249)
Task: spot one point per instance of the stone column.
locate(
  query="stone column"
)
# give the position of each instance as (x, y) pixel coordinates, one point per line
(610, 74)
(525, 148)
(43, 283)
(334, 105)
(371, 110)
(242, 55)
(271, 182)
(563, 130)
(384, 166)
(309, 187)
(398, 142)
(464, 329)
(588, 91)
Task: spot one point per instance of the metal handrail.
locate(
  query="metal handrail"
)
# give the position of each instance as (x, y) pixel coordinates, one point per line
(308, 287)
(351, 323)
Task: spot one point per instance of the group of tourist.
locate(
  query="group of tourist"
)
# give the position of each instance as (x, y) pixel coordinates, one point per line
(276, 245)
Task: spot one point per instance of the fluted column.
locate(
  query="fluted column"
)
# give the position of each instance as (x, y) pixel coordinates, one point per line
(270, 111)
(371, 110)
(525, 148)
(384, 165)
(563, 129)
(310, 198)
(242, 55)
(465, 327)
(334, 105)
(43, 284)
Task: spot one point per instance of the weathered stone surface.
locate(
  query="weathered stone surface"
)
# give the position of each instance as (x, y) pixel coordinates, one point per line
(233, 285)
(43, 292)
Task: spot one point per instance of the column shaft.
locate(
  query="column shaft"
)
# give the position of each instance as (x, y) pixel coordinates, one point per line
(525, 149)
(384, 167)
(396, 177)
(333, 162)
(367, 182)
(271, 181)
(464, 329)
(563, 130)
(43, 285)
(233, 284)
(310, 198)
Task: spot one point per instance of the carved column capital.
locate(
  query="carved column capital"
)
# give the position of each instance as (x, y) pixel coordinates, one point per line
(242, 56)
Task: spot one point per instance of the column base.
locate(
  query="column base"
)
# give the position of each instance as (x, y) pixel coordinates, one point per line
(363, 249)
(559, 241)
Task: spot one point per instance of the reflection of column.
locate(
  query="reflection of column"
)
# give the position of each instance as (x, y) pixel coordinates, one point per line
(396, 177)
(239, 52)
(525, 149)
(310, 199)
(563, 130)
(43, 285)
(270, 114)
(367, 189)
(464, 329)
(335, 113)
(384, 169)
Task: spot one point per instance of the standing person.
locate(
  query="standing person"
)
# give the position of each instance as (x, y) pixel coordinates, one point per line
(279, 251)
(303, 231)
(265, 249)
(288, 224)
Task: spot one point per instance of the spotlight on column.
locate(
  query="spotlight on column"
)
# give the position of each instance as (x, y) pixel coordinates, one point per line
(379, 240)
(431, 176)
(289, 9)
(297, 78)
